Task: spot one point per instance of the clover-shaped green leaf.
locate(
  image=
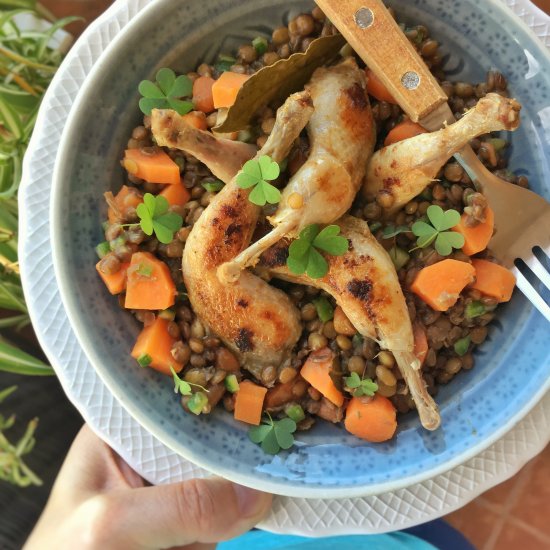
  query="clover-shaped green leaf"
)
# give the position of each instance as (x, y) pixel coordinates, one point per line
(303, 256)
(257, 174)
(436, 232)
(166, 93)
(273, 435)
(361, 386)
(154, 217)
(329, 240)
(442, 220)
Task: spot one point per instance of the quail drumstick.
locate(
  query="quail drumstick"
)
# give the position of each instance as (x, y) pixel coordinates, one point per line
(401, 171)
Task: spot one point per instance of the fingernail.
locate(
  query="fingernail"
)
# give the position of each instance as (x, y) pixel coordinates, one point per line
(249, 501)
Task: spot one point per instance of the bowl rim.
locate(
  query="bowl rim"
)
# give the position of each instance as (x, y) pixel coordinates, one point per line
(281, 488)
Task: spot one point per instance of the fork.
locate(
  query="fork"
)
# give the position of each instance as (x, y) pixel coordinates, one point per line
(522, 218)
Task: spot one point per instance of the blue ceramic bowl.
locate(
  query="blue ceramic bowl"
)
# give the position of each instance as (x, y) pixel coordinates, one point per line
(512, 367)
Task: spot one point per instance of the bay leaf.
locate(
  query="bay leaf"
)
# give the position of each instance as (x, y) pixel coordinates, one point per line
(278, 81)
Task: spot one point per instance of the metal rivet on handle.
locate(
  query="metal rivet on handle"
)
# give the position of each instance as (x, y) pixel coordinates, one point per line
(410, 80)
(364, 18)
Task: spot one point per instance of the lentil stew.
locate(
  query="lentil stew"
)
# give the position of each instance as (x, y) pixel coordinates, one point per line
(355, 366)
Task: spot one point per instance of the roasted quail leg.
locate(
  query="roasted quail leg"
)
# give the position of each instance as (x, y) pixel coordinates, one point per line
(401, 171)
(342, 136)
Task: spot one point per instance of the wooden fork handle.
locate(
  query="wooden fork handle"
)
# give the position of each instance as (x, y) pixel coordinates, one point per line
(373, 33)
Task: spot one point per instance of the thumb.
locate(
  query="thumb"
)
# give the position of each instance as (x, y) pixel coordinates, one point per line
(163, 516)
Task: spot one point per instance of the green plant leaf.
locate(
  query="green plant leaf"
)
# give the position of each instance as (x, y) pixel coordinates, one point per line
(150, 90)
(14, 360)
(448, 240)
(4, 394)
(181, 386)
(144, 215)
(257, 195)
(257, 173)
(392, 231)
(252, 168)
(154, 217)
(271, 193)
(166, 79)
(361, 386)
(422, 229)
(269, 168)
(285, 424)
(11, 120)
(436, 216)
(317, 266)
(309, 233)
(329, 241)
(303, 256)
(283, 432)
(167, 93)
(165, 226)
(456, 240)
(171, 221)
(182, 87)
(273, 435)
(353, 381)
(156, 204)
(147, 104)
(450, 219)
(368, 387)
(269, 444)
(297, 265)
(11, 295)
(427, 240)
(442, 246)
(257, 434)
(181, 107)
(436, 233)
(245, 181)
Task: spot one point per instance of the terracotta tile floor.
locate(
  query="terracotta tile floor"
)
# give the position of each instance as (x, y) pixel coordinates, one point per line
(512, 516)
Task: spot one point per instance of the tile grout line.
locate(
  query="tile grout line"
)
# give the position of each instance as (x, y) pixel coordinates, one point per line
(521, 482)
(535, 531)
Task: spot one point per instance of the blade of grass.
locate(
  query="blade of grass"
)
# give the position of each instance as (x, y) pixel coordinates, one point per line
(17, 361)
(11, 119)
(6, 17)
(11, 296)
(24, 85)
(14, 4)
(7, 392)
(18, 321)
(48, 34)
(14, 56)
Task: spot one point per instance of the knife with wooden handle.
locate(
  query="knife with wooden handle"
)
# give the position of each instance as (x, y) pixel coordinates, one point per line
(373, 33)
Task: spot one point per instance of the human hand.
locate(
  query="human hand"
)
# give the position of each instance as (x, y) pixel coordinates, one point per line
(99, 502)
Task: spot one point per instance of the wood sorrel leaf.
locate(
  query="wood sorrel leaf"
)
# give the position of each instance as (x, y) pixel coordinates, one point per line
(166, 78)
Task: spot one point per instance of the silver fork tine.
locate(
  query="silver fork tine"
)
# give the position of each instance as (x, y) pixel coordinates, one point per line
(539, 270)
(531, 294)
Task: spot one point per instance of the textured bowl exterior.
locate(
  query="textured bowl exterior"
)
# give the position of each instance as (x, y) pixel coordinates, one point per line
(87, 166)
